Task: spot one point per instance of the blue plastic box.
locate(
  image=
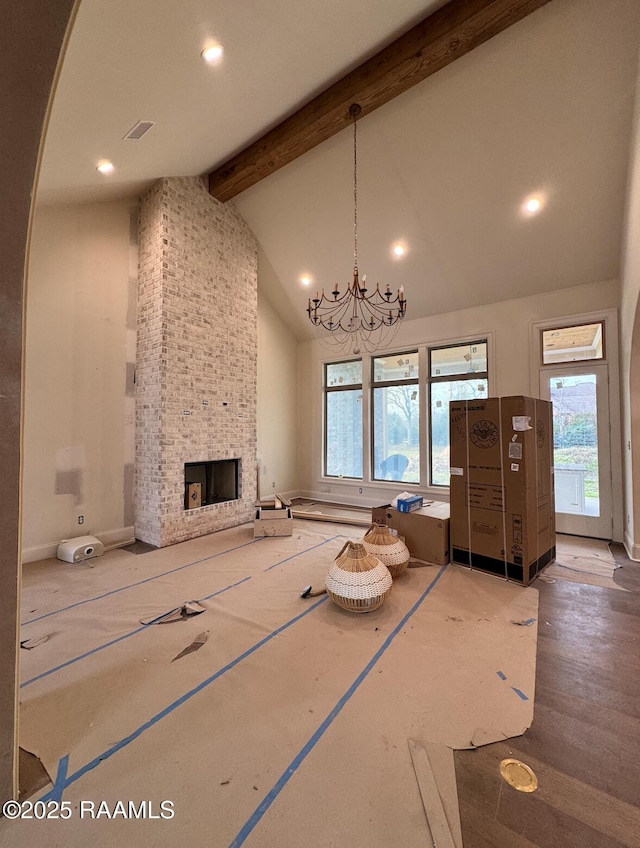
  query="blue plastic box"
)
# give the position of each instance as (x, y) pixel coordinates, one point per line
(409, 504)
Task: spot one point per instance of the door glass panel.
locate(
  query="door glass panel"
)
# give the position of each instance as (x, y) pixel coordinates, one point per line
(575, 441)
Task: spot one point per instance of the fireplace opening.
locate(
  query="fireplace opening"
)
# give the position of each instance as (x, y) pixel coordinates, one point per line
(210, 482)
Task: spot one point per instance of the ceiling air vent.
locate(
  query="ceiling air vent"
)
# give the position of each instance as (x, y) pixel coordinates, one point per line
(139, 129)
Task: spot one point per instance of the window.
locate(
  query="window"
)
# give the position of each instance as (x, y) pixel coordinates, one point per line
(375, 422)
(573, 344)
(456, 372)
(343, 419)
(396, 413)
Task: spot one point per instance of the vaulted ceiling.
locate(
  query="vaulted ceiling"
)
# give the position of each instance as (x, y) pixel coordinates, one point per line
(544, 107)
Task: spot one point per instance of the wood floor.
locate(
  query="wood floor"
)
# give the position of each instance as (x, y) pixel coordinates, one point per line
(584, 743)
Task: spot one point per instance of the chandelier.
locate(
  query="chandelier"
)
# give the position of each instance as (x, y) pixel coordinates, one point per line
(355, 320)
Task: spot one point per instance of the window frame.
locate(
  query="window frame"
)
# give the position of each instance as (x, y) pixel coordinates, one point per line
(367, 480)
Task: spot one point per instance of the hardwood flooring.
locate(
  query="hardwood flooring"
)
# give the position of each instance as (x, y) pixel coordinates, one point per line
(584, 742)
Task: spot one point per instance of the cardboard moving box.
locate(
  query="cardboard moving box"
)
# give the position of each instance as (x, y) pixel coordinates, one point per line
(425, 531)
(273, 522)
(193, 495)
(502, 500)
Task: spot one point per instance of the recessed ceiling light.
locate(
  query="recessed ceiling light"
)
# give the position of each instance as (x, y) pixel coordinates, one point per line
(105, 167)
(399, 250)
(213, 53)
(306, 281)
(532, 205)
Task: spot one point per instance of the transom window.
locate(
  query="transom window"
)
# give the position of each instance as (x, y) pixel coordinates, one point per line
(579, 343)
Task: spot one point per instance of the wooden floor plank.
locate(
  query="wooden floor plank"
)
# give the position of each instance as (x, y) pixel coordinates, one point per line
(583, 742)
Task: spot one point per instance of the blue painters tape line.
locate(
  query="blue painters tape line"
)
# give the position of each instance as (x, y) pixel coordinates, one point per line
(288, 773)
(55, 794)
(293, 556)
(528, 621)
(501, 675)
(114, 641)
(226, 589)
(63, 783)
(141, 582)
(520, 693)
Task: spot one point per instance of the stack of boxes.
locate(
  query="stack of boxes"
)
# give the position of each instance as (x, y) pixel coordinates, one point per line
(502, 502)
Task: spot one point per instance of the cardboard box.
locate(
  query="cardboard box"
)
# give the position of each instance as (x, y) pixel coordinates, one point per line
(502, 498)
(273, 522)
(425, 531)
(193, 495)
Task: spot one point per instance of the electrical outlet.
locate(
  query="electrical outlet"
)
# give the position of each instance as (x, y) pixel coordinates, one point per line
(273, 485)
(360, 490)
(81, 519)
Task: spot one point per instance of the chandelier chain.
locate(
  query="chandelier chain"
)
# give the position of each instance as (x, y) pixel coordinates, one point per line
(355, 193)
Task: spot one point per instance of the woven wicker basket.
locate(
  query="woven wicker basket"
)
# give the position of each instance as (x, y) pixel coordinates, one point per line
(389, 549)
(357, 581)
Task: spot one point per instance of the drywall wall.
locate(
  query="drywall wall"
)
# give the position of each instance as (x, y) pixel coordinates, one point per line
(277, 402)
(630, 341)
(508, 326)
(79, 425)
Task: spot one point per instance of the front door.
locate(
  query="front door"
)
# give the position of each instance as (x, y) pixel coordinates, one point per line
(582, 449)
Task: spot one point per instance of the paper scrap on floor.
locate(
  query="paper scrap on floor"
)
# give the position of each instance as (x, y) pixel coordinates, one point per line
(582, 560)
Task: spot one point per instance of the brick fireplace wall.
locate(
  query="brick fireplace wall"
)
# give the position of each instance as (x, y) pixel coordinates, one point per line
(196, 357)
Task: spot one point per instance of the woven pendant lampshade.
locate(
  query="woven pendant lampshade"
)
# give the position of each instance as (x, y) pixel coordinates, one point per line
(389, 549)
(357, 581)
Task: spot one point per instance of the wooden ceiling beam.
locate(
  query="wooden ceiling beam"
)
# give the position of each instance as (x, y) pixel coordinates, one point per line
(451, 32)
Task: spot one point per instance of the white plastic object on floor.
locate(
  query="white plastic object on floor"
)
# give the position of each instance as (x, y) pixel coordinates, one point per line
(79, 549)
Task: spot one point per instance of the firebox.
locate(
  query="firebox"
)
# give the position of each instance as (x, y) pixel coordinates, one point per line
(210, 482)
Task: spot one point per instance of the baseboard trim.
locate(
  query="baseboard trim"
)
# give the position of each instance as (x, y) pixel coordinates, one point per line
(633, 551)
(110, 539)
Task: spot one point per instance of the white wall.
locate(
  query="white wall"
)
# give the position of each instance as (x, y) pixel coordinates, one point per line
(277, 402)
(80, 349)
(507, 323)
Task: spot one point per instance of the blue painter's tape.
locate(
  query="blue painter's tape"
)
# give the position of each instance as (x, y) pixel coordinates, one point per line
(62, 784)
(501, 675)
(528, 621)
(55, 794)
(288, 773)
(141, 582)
(520, 693)
(114, 641)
